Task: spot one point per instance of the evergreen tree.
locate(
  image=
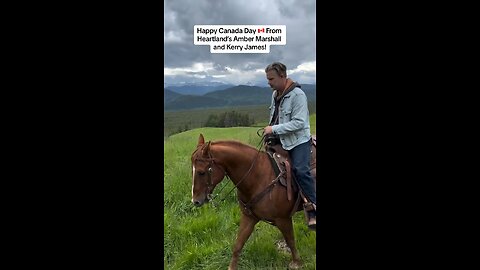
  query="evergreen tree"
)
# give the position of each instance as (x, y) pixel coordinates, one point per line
(229, 119)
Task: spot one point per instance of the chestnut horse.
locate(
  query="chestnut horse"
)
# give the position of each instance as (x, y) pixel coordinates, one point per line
(252, 174)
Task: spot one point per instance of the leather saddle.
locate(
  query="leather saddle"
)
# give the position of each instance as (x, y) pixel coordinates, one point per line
(280, 159)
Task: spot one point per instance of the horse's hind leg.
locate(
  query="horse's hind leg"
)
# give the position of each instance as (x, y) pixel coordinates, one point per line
(246, 227)
(286, 227)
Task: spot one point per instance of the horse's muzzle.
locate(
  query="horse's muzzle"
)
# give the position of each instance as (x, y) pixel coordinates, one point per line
(198, 202)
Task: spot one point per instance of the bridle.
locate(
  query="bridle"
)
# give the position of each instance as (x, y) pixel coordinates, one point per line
(211, 163)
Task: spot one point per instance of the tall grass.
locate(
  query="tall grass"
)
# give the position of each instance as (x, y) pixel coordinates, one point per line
(202, 238)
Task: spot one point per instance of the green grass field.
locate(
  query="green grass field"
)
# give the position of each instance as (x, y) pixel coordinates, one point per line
(202, 238)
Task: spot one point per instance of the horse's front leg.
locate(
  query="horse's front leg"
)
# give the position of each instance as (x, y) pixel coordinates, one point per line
(247, 224)
(285, 225)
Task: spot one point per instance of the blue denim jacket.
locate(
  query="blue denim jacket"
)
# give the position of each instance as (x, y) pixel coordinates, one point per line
(293, 124)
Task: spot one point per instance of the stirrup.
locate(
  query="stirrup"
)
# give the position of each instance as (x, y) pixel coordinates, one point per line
(310, 215)
(308, 206)
(312, 223)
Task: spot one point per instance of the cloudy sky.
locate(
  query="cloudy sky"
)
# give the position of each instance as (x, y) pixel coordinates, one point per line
(185, 62)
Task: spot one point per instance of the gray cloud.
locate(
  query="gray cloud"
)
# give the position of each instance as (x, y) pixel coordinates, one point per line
(184, 61)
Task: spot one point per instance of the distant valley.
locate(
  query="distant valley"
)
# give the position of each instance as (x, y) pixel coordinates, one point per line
(197, 90)
(182, 97)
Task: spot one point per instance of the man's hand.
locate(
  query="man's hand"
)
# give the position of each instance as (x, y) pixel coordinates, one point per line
(267, 130)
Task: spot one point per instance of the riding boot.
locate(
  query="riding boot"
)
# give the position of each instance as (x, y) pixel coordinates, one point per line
(310, 215)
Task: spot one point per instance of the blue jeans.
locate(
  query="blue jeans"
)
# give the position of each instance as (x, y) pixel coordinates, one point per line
(300, 156)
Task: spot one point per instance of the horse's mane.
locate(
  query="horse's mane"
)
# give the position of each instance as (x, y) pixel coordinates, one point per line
(234, 143)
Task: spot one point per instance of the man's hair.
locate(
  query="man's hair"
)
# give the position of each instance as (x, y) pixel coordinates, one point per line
(280, 68)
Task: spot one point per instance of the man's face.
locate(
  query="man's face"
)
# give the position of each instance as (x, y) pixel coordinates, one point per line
(275, 81)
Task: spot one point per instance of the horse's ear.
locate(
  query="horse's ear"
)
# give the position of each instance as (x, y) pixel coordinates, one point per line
(206, 149)
(201, 140)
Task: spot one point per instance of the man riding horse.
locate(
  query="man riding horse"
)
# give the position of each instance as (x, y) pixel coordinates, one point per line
(290, 127)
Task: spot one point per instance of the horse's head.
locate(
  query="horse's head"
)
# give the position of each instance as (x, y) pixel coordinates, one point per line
(206, 173)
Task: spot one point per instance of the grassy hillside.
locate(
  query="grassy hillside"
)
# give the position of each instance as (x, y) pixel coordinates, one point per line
(174, 122)
(202, 238)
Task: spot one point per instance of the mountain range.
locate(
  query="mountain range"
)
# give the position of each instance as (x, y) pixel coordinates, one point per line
(241, 95)
(197, 90)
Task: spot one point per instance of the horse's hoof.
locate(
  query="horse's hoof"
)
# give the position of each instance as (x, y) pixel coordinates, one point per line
(294, 265)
